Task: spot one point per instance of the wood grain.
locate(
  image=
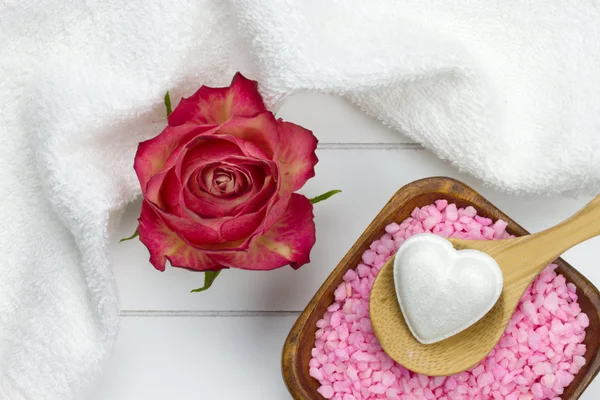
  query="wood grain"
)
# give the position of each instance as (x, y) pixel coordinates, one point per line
(521, 259)
(297, 348)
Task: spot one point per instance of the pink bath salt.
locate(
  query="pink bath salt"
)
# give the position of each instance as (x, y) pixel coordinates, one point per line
(436, 214)
(340, 292)
(451, 213)
(529, 309)
(352, 373)
(537, 357)
(381, 249)
(465, 221)
(551, 302)
(429, 223)
(418, 228)
(499, 372)
(478, 370)
(326, 391)
(563, 378)
(316, 373)
(342, 355)
(474, 226)
(388, 378)
(375, 245)
(343, 332)
(336, 320)
(499, 227)
(398, 242)
(392, 394)
(470, 211)
(575, 309)
(376, 376)
(378, 388)
(559, 281)
(579, 349)
(441, 204)
(485, 379)
(488, 233)
(341, 386)
(328, 369)
(522, 336)
(535, 341)
(583, 320)
(332, 336)
(451, 384)
(520, 380)
(362, 270)
(350, 275)
(537, 391)
(542, 368)
(579, 361)
(548, 380)
(369, 257)
(322, 323)
(389, 244)
(334, 307)
(483, 220)
(392, 228)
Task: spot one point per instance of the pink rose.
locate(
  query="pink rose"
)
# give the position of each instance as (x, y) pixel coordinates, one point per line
(219, 182)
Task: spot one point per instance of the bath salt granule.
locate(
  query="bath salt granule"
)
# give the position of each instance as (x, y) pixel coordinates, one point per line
(537, 357)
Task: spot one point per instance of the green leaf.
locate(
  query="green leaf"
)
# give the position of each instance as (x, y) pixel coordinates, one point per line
(209, 278)
(324, 196)
(168, 104)
(135, 234)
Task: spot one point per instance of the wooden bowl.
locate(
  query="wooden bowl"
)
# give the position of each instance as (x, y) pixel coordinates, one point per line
(301, 339)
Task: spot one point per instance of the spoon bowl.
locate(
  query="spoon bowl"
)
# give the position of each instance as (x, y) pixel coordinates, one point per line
(520, 259)
(450, 356)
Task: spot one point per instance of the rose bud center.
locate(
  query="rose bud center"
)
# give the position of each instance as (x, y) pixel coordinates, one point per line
(226, 181)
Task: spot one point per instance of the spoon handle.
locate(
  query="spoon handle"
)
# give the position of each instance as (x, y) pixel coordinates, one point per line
(552, 242)
(583, 225)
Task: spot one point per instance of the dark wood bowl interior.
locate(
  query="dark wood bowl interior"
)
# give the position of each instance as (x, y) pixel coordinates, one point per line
(297, 348)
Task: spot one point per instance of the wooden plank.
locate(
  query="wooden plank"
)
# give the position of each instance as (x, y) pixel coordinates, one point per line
(335, 120)
(160, 358)
(368, 179)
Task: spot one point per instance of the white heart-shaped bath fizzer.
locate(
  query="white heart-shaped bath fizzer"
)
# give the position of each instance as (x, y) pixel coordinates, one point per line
(443, 291)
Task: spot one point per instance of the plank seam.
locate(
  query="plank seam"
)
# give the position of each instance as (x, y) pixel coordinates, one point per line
(370, 146)
(207, 313)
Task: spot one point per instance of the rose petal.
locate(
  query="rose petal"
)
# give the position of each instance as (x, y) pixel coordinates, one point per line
(296, 158)
(262, 187)
(198, 232)
(207, 149)
(163, 244)
(216, 105)
(242, 227)
(206, 233)
(163, 190)
(257, 136)
(159, 153)
(295, 155)
(289, 241)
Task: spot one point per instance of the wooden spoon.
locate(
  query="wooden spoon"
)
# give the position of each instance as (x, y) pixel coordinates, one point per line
(520, 259)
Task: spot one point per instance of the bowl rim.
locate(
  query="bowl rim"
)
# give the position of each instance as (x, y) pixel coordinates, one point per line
(291, 369)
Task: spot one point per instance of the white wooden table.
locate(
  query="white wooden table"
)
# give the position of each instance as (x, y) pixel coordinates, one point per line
(226, 343)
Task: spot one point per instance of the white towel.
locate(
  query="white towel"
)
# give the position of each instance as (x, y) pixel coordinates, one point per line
(507, 90)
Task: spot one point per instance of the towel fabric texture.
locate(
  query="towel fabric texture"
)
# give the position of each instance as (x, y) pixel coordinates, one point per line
(508, 91)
